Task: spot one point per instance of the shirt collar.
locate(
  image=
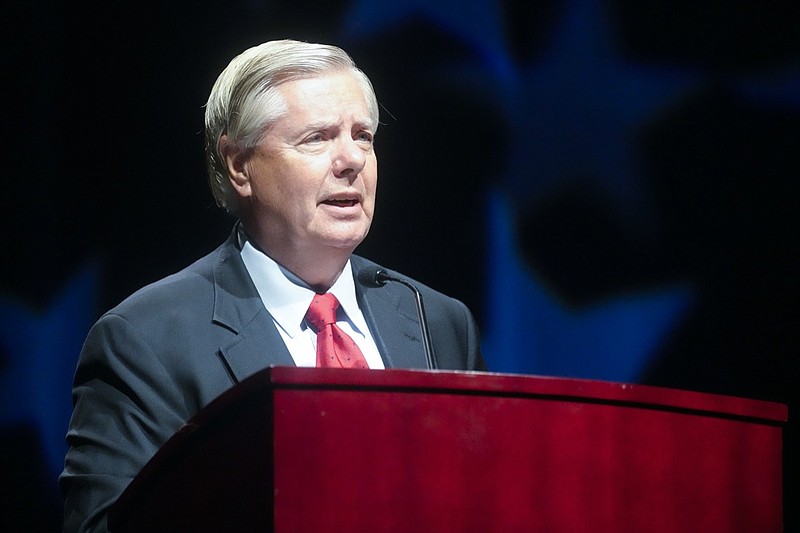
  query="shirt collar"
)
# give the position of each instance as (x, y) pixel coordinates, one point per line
(287, 297)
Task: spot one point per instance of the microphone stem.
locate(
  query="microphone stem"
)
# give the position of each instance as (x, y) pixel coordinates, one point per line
(426, 337)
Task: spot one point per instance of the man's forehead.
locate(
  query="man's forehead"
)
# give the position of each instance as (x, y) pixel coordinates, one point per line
(326, 100)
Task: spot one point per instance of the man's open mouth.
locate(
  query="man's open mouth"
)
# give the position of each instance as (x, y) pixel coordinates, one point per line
(342, 202)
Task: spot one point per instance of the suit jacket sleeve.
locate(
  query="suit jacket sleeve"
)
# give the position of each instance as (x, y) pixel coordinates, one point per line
(149, 365)
(125, 407)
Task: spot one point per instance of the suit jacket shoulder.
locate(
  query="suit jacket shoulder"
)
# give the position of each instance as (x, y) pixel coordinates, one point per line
(394, 321)
(152, 362)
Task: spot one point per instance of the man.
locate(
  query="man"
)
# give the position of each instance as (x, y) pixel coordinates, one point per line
(289, 131)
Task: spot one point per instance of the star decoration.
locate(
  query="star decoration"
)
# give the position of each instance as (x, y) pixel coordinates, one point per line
(478, 23)
(40, 350)
(530, 331)
(574, 113)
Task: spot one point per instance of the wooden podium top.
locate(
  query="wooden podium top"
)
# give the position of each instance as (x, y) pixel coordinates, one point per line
(489, 383)
(305, 449)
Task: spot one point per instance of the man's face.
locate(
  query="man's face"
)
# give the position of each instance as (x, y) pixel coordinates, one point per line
(312, 178)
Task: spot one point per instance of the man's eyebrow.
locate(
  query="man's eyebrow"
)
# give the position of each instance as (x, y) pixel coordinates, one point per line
(366, 124)
(323, 125)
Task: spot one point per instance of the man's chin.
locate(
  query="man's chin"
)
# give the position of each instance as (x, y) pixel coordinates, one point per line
(346, 242)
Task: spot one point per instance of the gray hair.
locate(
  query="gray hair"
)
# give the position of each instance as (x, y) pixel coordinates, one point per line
(244, 103)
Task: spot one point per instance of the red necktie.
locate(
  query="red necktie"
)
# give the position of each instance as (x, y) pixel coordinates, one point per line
(334, 347)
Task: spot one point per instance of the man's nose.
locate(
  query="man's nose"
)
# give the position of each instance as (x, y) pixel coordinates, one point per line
(349, 157)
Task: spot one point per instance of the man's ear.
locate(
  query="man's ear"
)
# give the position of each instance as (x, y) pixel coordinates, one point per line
(236, 163)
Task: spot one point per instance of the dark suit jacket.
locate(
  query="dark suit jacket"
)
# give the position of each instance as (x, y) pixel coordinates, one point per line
(156, 359)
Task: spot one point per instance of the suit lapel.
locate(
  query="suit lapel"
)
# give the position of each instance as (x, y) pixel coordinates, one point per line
(389, 311)
(238, 308)
(393, 321)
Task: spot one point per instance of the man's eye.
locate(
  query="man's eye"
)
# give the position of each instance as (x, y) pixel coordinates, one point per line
(365, 136)
(314, 138)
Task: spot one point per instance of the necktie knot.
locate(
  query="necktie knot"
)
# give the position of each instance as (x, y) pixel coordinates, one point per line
(334, 347)
(322, 311)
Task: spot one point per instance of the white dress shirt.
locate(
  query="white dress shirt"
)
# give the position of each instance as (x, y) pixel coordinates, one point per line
(287, 298)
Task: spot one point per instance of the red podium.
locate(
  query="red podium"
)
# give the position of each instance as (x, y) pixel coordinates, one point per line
(294, 449)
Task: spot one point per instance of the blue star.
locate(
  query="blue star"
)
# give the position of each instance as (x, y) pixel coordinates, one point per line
(529, 331)
(478, 23)
(574, 114)
(40, 352)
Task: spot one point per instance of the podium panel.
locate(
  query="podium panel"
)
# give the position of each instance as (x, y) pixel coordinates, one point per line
(297, 449)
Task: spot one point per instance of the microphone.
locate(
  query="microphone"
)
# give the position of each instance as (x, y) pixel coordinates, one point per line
(377, 277)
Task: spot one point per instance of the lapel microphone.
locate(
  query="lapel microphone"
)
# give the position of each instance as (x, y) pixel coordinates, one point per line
(375, 277)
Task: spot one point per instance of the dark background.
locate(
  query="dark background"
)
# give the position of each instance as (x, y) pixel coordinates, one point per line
(610, 185)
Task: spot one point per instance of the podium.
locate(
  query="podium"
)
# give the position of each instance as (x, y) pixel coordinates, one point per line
(299, 449)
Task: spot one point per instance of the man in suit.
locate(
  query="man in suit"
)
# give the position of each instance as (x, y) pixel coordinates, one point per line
(289, 131)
